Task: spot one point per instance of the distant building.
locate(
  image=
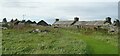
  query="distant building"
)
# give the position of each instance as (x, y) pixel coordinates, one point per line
(89, 24)
(82, 24)
(33, 24)
(1, 25)
(58, 23)
(42, 23)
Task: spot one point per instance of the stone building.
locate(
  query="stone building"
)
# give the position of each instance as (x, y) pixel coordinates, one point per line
(89, 24)
(82, 24)
(58, 23)
(42, 23)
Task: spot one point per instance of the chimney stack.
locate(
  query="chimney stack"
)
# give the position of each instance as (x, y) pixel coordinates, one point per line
(57, 20)
(108, 19)
(76, 19)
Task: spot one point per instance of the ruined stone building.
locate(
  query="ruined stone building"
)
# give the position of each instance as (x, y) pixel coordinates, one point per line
(58, 23)
(42, 23)
(82, 24)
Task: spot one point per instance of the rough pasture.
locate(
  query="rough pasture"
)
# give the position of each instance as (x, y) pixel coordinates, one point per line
(54, 42)
(58, 41)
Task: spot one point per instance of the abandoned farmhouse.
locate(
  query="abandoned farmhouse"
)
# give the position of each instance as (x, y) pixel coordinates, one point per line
(81, 24)
(76, 23)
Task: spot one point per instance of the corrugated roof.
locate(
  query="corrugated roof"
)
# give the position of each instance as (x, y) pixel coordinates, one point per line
(64, 22)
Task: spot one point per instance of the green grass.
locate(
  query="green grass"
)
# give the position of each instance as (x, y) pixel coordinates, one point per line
(54, 42)
(58, 41)
(96, 41)
(0, 41)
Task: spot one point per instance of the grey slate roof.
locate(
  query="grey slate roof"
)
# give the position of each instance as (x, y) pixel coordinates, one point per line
(64, 22)
(99, 23)
(96, 23)
(81, 23)
(89, 23)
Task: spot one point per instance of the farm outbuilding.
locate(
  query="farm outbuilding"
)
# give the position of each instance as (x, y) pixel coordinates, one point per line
(63, 23)
(82, 24)
(42, 23)
(89, 24)
(1, 24)
(58, 23)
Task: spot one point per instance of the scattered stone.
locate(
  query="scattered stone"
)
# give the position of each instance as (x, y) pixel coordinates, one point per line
(3, 28)
(45, 31)
(38, 31)
(56, 27)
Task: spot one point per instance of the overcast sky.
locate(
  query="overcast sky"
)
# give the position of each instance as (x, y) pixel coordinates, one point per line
(48, 10)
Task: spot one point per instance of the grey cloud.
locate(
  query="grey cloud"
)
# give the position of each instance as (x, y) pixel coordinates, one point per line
(21, 4)
(11, 0)
(96, 9)
(88, 10)
(119, 10)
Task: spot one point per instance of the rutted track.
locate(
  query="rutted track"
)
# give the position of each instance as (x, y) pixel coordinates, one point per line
(95, 46)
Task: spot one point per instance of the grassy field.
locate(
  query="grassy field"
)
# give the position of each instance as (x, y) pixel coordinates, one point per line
(58, 41)
(0, 41)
